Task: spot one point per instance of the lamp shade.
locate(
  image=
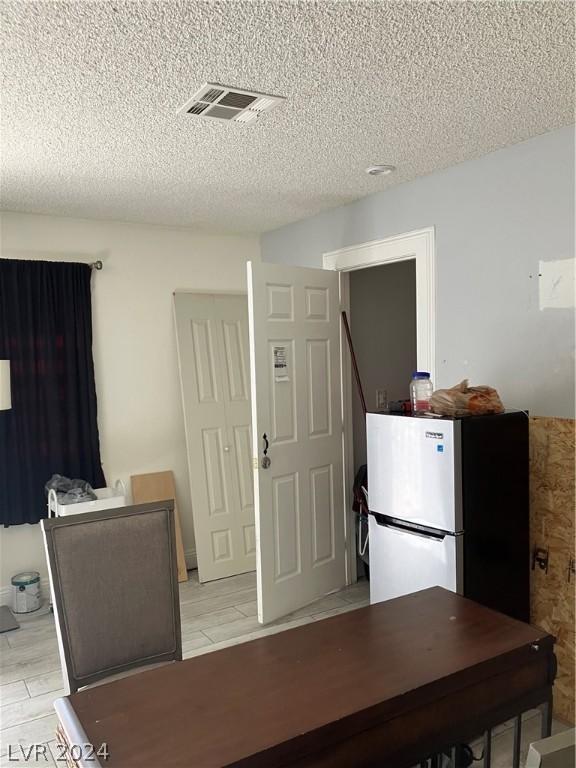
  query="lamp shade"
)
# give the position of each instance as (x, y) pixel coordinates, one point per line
(5, 399)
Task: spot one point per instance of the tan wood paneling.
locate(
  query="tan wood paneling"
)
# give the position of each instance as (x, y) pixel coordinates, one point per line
(159, 486)
(552, 523)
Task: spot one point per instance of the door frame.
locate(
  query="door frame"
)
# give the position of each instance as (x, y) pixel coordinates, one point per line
(418, 245)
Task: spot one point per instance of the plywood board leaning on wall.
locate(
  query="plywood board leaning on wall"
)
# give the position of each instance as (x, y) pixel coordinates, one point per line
(159, 486)
(552, 527)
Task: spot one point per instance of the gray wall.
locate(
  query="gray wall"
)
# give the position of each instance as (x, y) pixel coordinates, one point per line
(495, 218)
(383, 328)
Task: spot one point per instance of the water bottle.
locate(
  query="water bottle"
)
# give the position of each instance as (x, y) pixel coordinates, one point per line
(420, 392)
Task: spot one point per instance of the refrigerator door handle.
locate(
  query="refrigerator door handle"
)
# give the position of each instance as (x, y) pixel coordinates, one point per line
(412, 531)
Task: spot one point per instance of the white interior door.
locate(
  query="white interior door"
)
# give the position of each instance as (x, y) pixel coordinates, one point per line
(296, 402)
(212, 333)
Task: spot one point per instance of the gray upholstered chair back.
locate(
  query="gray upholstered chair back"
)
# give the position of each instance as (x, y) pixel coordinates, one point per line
(115, 590)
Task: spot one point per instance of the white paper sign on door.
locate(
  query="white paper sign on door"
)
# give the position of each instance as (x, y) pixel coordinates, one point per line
(281, 364)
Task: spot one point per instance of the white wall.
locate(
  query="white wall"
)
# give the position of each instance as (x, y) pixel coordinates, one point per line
(495, 217)
(383, 328)
(137, 381)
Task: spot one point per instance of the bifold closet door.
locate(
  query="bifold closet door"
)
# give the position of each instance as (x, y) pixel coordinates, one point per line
(212, 332)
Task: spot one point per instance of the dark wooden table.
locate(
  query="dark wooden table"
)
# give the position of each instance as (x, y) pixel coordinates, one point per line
(385, 685)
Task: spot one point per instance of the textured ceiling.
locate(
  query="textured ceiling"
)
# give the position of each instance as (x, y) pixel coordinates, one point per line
(90, 92)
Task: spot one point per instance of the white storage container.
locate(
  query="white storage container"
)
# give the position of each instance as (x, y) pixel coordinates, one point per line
(26, 595)
(106, 498)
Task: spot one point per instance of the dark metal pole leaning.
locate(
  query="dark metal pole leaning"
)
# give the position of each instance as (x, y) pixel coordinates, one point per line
(354, 363)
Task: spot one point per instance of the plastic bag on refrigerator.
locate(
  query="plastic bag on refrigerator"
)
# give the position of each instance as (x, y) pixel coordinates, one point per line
(463, 400)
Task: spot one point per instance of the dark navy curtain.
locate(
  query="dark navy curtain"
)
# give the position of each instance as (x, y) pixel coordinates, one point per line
(46, 333)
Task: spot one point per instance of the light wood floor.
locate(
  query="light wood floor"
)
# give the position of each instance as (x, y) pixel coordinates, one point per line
(214, 615)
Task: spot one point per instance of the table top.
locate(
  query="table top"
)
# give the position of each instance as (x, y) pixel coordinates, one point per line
(334, 677)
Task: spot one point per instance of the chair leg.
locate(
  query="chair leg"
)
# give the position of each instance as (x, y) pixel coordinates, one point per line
(517, 741)
(488, 748)
(546, 719)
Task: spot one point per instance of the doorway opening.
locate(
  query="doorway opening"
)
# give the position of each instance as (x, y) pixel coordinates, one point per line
(417, 247)
(383, 328)
(383, 325)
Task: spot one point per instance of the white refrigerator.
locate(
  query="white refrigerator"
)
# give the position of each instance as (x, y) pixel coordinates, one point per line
(449, 507)
(414, 491)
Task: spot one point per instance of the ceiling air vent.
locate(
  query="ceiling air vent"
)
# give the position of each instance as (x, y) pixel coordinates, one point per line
(197, 108)
(222, 102)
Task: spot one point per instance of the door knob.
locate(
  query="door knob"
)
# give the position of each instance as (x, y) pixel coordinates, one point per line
(265, 463)
(226, 449)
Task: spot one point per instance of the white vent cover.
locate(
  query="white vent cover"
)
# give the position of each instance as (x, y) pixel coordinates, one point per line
(222, 102)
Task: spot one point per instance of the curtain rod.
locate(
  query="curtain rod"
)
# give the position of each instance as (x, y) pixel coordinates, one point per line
(96, 265)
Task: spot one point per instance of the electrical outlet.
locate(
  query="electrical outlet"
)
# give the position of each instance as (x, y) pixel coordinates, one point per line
(381, 400)
(540, 557)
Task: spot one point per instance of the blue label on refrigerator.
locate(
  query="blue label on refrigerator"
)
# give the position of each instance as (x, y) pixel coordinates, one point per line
(440, 448)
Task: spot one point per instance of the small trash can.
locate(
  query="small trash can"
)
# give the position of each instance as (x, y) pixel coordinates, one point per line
(26, 595)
